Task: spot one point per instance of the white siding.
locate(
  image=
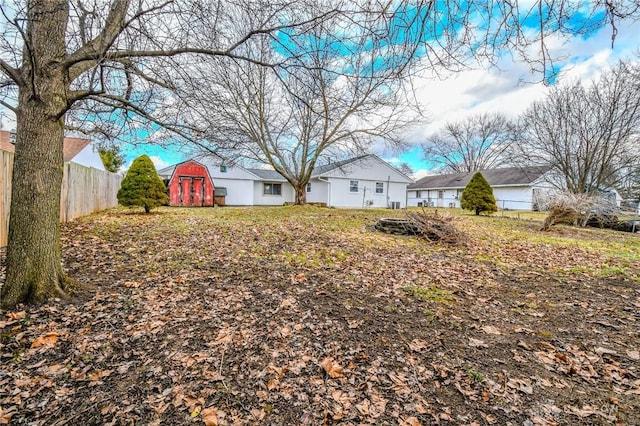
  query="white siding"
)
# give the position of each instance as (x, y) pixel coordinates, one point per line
(431, 197)
(319, 192)
(233, 172)
(368, 172)
(239, 192)
(260, 199)
(88, 157)
(508, 197)
(514, 198)
(341, 196)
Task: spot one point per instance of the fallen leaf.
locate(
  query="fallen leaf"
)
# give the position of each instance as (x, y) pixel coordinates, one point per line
(334, 370)
(418, 345)
(410, 421)
(363, 407)
(477, 343)
(602, 351)
(634, 355)
(210, 416)
(47, 339)
(14, 316)
(489, 329)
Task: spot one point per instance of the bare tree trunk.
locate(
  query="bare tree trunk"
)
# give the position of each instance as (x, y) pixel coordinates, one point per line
(301, 194)
(34, 268)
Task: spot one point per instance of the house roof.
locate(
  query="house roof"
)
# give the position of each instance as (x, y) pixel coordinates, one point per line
(70, 148)
(326, 168)
(267, 174)
(511, 176)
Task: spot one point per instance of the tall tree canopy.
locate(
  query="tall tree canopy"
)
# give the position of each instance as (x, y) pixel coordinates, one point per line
(479, 142)
(347, 89)
(112, 157)
(588, 134)
(104, 66)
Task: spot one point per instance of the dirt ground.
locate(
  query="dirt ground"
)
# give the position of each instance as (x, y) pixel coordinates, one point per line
(306, 316)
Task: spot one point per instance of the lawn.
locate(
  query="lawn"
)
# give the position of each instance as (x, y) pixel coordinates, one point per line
(304, 315)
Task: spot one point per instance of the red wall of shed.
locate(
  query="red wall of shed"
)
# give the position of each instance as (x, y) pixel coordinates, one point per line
(197, 173)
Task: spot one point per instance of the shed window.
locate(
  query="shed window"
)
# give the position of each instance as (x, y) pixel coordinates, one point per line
(379, 187)
(272, 189)
(441, 194)
(353, 186)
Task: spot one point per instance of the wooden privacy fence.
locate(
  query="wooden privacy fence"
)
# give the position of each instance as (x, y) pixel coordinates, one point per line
(6, 166)
(85, 190)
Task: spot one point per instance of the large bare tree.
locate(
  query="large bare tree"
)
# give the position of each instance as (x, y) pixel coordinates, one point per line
(589, 135)
(479, 142)
(76, 62)
(346, 89)
(71, 62)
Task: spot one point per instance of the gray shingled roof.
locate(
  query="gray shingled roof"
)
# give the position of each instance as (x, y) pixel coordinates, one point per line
(496, 177)
(266, 174)
(320, 170)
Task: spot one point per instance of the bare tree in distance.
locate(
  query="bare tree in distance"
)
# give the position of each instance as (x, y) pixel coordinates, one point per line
(406, 169)
(479, 142)
(588, 135)
(107, 65)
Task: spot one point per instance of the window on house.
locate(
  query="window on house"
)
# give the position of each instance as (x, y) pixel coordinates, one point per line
(418, 194)
(379, 187)
(309, 187)
(353, 186)
(458, 193)
(272, 189)
(441, 194)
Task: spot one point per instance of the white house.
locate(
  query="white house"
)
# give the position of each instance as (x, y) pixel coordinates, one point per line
(365, 181)
(75, 150)
(515, 188)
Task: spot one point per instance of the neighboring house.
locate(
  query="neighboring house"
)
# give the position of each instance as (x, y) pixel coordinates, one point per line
(515, 188)
(365, 181)
(75, 150)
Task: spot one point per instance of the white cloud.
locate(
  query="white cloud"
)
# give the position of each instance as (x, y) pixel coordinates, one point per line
(419, 174)
(158, 162)
(461, 94)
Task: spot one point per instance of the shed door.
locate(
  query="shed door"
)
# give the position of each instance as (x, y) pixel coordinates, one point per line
(197, 191)
(185, 191)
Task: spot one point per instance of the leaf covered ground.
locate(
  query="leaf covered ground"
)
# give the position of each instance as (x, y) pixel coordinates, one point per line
(308, 316)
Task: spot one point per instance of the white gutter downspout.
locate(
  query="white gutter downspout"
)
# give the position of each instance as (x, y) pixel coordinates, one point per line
(328, 190)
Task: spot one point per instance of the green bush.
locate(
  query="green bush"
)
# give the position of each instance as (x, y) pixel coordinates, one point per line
(142, 186)
(478, 196)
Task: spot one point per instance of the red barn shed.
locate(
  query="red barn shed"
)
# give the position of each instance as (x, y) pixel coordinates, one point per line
(190, 185)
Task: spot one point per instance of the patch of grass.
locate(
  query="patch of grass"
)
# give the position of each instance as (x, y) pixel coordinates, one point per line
(391, 308)
(476, 375)
(431, 294)
(610, 271)
(546, 334)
